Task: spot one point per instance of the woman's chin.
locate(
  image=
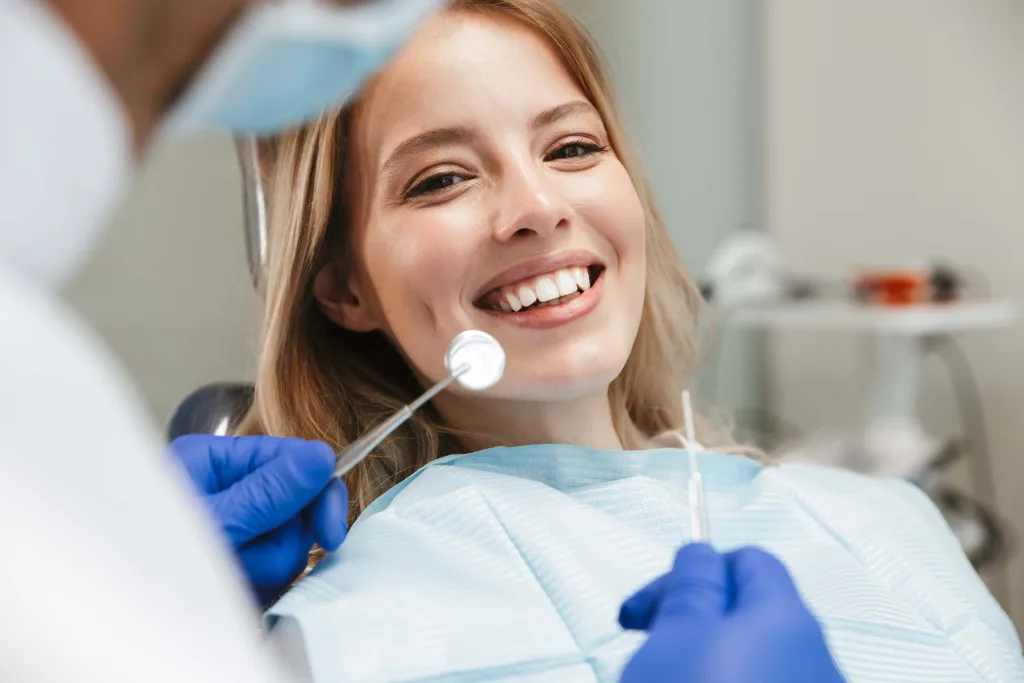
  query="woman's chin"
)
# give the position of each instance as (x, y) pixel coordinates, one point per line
(558, 381)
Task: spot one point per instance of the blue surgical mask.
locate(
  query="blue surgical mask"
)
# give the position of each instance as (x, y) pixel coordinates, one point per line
(287, 62)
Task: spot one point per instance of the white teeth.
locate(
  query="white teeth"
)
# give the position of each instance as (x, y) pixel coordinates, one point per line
(565, 282)
(582, 277)
(527, 297)
(546, 289)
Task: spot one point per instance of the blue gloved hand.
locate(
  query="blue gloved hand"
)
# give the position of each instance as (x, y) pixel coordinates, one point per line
(734, 618)
(272, 497)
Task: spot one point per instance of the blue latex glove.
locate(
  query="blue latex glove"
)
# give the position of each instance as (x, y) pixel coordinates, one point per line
(272, 498)
(734, 618)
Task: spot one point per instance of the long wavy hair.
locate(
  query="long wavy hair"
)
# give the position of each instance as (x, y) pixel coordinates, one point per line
(316, 380)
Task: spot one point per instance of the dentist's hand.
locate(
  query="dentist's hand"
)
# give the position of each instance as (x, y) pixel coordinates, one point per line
(734, 618)
(272, 498)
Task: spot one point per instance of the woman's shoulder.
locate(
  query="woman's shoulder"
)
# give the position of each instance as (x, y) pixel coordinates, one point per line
(895, 530)
(837, 484)
(856, 501)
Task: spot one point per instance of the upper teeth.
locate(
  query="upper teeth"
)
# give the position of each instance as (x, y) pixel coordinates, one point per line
(544, 288)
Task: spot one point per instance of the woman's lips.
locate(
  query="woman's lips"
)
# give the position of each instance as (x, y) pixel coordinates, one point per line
(538, 266)
(546, 289)
(559, 311)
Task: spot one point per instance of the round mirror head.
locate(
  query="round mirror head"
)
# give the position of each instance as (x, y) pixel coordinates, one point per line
(483, 356)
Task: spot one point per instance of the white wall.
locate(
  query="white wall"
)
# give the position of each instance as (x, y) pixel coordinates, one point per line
(168, 287)
(895, 132)
(686, 73)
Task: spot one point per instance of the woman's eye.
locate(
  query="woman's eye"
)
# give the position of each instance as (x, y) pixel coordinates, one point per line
(574, 150)
(436, 183)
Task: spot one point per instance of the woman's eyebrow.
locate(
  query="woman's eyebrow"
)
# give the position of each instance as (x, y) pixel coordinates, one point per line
(417, 144)
(562, 111)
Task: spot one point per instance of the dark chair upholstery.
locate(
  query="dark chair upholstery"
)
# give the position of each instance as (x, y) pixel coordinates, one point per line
(213, 409)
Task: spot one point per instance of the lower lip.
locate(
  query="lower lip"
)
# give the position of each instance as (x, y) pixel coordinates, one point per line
(546, 317)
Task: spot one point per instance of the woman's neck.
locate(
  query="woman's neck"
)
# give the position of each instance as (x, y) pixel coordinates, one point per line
(585, 421)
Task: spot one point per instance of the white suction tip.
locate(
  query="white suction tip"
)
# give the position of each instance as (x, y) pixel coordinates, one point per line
(482, 354)
(691, 433)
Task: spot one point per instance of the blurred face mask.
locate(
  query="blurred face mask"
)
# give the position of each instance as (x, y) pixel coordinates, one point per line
(287, 62)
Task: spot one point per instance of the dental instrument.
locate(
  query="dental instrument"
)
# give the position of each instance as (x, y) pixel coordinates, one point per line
(697, 502)
(474, 359)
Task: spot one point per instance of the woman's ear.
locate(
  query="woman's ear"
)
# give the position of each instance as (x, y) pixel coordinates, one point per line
(342, 301)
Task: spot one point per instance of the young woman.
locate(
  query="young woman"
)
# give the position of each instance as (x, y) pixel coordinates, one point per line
(482, 181)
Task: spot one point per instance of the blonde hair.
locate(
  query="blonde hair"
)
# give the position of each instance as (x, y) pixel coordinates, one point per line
(316, 380)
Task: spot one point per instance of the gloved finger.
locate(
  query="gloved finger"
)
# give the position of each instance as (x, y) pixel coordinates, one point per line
(697, 586)
(214, 463)
(195, 452)
(764, 586)
(638, 611)
(274, 493)
(233, 459)
(759, 576)
(328, 518)
(277, 559)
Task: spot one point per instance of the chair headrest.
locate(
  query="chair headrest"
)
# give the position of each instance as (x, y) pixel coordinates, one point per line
(214, 409)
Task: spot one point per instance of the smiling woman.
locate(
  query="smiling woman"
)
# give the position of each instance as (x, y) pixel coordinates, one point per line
(482, 181)
(483, 174)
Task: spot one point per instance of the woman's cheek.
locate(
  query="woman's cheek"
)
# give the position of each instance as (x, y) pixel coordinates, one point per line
(426, 257)
(609, 202)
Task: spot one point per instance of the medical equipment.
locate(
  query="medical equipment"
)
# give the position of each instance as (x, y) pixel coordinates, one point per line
(512, 564)
(908, 286)
(287, 62)
(745, 270)
(474, 359)
(254, 209)
(900, 313)
(698, 505)
(886, 436)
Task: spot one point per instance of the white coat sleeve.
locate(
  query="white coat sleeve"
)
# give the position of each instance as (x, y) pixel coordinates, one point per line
(109, 569)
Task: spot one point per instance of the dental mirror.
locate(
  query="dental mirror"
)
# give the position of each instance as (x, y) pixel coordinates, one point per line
(482, 354)
(474, 359)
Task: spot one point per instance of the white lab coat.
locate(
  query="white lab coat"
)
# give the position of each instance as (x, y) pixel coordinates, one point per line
(109, 570)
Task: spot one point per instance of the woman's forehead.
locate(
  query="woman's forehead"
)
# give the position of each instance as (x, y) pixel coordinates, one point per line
(483, 72)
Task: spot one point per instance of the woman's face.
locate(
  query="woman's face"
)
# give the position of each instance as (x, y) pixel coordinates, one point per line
(494, 202)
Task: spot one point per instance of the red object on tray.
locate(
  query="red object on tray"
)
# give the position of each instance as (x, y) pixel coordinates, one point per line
(894, 287)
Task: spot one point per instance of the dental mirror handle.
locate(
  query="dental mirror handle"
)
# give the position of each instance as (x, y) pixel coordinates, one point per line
(355, 452)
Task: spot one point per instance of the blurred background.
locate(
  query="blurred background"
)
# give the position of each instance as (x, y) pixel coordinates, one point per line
(791, 144)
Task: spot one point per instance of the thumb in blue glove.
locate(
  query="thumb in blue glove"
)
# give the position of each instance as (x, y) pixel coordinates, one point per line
(735, 618)
(273, 498)
(698, 585)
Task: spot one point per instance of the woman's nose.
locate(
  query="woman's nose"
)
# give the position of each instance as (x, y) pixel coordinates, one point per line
(532, 206)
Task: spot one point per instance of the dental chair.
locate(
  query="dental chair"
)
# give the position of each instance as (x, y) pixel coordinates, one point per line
(214, 409)
(219, 408)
